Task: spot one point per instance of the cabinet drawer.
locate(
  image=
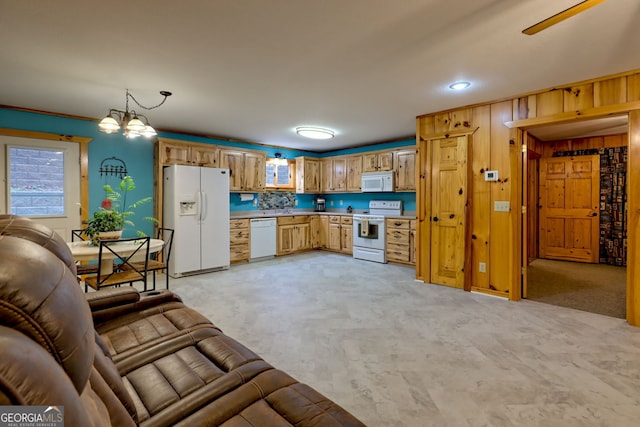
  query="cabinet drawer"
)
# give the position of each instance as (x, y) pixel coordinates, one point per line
(239, 236)
(334, 219)
(293, 219)
(399, 253)
(399, 223)
(346, 220)
(238, 223)
(398, 236)
(239, 253)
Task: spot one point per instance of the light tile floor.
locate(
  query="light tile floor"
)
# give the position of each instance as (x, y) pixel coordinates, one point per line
(397, 352)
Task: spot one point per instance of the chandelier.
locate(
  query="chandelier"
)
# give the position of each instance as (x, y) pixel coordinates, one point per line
(130, 119)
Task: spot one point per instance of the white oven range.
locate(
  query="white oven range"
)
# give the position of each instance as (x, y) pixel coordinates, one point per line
(369, 233)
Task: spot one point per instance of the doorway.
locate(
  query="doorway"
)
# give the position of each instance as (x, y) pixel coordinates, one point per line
(593, 286)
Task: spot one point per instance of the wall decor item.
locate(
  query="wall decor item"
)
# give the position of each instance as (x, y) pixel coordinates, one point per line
(113, 166)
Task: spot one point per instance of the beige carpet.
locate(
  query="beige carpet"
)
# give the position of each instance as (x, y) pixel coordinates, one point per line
(595, 288)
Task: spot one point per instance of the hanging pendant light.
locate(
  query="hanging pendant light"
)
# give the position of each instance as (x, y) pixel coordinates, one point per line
(130, 120)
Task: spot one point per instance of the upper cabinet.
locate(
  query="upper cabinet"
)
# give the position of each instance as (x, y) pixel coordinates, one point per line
(307, 175)
(175, 153)
(405, 169)
(246, 169)
(354, 174)
(334, 174)
(377, 161)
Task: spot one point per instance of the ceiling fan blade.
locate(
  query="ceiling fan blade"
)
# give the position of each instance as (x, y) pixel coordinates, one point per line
(558, 17)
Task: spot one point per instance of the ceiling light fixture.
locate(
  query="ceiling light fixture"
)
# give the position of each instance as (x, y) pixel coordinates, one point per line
(129, 119)
(315, 132)
(459, 85)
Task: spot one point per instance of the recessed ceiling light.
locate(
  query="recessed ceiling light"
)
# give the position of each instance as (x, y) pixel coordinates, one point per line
(459, 85)
(315, 132)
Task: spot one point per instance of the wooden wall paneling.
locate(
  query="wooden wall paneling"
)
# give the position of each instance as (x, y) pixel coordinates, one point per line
(515, 215)
(633, 225)
(611, 141)
(610, 92)
(633, 87)
(453, 121)
(423, 205)
(525, 107)
(549, 103)
(578, 97)
(481, 197)
(501, 262)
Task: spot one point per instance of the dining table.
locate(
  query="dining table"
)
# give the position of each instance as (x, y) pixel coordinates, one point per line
(84, 250)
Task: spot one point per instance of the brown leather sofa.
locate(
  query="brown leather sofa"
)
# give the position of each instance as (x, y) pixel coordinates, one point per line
(118, 357)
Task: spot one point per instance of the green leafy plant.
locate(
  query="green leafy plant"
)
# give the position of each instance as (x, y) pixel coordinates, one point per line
(114, 213)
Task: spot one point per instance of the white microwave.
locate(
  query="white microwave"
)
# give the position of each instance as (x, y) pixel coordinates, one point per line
(378, 182)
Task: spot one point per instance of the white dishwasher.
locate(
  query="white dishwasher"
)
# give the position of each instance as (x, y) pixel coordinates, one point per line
(263, 238)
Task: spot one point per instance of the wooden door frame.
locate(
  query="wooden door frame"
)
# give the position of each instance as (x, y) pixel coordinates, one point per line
(84, 159)
(423, 203)
(633, 204)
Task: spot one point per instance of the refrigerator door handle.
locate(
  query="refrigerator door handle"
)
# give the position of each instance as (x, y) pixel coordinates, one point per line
(203, 208)
(199, 212)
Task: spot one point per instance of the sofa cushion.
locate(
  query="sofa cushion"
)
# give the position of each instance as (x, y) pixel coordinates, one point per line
(40, 297)
(17, 226)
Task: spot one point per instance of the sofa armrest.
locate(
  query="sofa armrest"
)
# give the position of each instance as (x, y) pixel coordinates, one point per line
(109, 303)
(110, 297)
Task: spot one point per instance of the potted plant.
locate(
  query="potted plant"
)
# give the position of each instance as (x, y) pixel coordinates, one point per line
(114, 214)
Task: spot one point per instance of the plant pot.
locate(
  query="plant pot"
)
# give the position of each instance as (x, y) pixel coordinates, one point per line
(109, 235)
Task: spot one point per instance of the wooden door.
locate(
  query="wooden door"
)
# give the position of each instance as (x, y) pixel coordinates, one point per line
(569, 208)
(448, 199)
(369, 162)
(326, 173)
(346, 239)
(303, 237)
(204, 156)
(286, 241)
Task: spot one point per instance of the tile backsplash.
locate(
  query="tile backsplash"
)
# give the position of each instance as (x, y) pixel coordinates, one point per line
(276, 200)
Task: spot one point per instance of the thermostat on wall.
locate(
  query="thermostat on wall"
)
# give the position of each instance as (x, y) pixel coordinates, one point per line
(491, 175)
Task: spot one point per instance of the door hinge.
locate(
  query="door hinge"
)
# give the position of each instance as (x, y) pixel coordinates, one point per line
(524, 148)
(524, 209)
(523, 271)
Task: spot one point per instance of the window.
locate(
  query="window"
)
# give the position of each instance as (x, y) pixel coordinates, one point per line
(280, 173)
(36, 181)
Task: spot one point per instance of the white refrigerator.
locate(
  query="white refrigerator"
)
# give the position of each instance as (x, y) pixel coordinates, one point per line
(196, 207)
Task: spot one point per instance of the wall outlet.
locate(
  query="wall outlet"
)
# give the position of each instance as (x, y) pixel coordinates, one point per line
(331, 203)
(501, 206)
(340, 202)
(482, 268)
(255, 202)
(295, 203)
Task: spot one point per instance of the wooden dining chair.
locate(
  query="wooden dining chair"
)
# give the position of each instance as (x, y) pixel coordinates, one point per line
(83, 268)
(120, 255)
(159, 261)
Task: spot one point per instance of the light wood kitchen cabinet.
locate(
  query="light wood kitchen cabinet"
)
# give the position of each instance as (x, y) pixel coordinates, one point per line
(316, 231)
(346, 241)
(400, 246)
(334, 174)
(307, 175)
(239, 240)
(354, 173)
(377, 161)
(405, 170)
(340, 235)
(293, 234)
(246, 169)
(324, 231)
(188, 154)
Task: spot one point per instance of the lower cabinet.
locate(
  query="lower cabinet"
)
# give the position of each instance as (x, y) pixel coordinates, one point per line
(239, 240)
(293, 234)
(400, 245)
(340, 234)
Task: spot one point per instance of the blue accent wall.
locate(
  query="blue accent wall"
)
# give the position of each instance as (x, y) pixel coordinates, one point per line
(138, 155)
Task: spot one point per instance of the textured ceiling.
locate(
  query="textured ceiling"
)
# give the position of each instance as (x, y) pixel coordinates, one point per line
(256, 69)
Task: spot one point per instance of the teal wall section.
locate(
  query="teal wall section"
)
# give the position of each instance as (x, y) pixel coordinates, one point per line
(138, 155)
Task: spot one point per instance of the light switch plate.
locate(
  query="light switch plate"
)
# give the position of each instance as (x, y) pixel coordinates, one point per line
(501, 206)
